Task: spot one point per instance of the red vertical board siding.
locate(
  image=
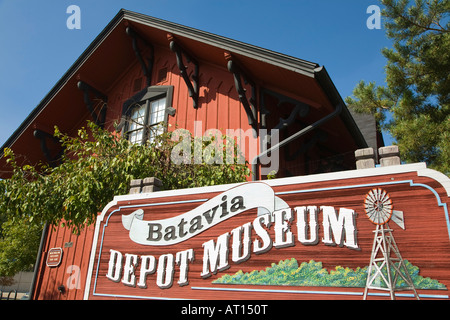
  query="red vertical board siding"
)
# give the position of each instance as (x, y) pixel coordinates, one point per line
(84, 243)
(54, 274)
(49, 279)
(210, 99)
(201, 113)
(42, 290)
(122, 91)
(218, 104)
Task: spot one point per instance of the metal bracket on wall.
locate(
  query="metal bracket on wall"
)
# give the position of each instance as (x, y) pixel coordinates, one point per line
(99, 118)
(248, 103)
(193, 87)
(43, 136)
(147, 68)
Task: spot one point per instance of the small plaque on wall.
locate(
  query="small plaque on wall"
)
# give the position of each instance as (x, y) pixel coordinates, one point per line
(54, 257)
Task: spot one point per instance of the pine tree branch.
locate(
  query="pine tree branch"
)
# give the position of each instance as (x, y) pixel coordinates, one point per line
(426, 28)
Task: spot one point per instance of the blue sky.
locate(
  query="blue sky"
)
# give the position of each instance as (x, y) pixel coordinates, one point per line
(37, 47)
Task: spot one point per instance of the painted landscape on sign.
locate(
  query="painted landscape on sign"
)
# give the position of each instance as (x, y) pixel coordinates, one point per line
(311, 274)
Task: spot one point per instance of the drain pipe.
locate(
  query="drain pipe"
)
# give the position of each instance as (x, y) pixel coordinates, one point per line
(38, 261)
(295, 136)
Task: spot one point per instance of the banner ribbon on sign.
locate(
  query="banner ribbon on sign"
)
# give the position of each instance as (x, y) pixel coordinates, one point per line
(217, 209)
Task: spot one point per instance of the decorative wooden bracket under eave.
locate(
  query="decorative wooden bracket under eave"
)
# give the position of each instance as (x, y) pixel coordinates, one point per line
(193, 87)
(239, 75)
(43, 137)
(99, 119)
(147, 68)
(300, 109)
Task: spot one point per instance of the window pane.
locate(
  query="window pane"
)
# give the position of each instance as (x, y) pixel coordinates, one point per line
(135, 129)
(154, 111)
(155, 131)
(136, 136)
(137, 118)
(157, 111)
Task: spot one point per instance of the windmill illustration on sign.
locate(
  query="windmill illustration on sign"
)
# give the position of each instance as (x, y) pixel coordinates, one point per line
(386, 263)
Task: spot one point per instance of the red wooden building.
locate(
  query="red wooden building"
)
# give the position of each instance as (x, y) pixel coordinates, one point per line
(140, 68)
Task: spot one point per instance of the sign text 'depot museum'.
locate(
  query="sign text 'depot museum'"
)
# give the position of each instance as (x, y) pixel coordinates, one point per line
(317, 236)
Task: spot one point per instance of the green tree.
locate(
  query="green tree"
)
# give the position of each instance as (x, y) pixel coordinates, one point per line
(417, 90)
(96, 166)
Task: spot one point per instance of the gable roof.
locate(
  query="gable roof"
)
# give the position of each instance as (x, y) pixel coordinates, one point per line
(263, 64)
